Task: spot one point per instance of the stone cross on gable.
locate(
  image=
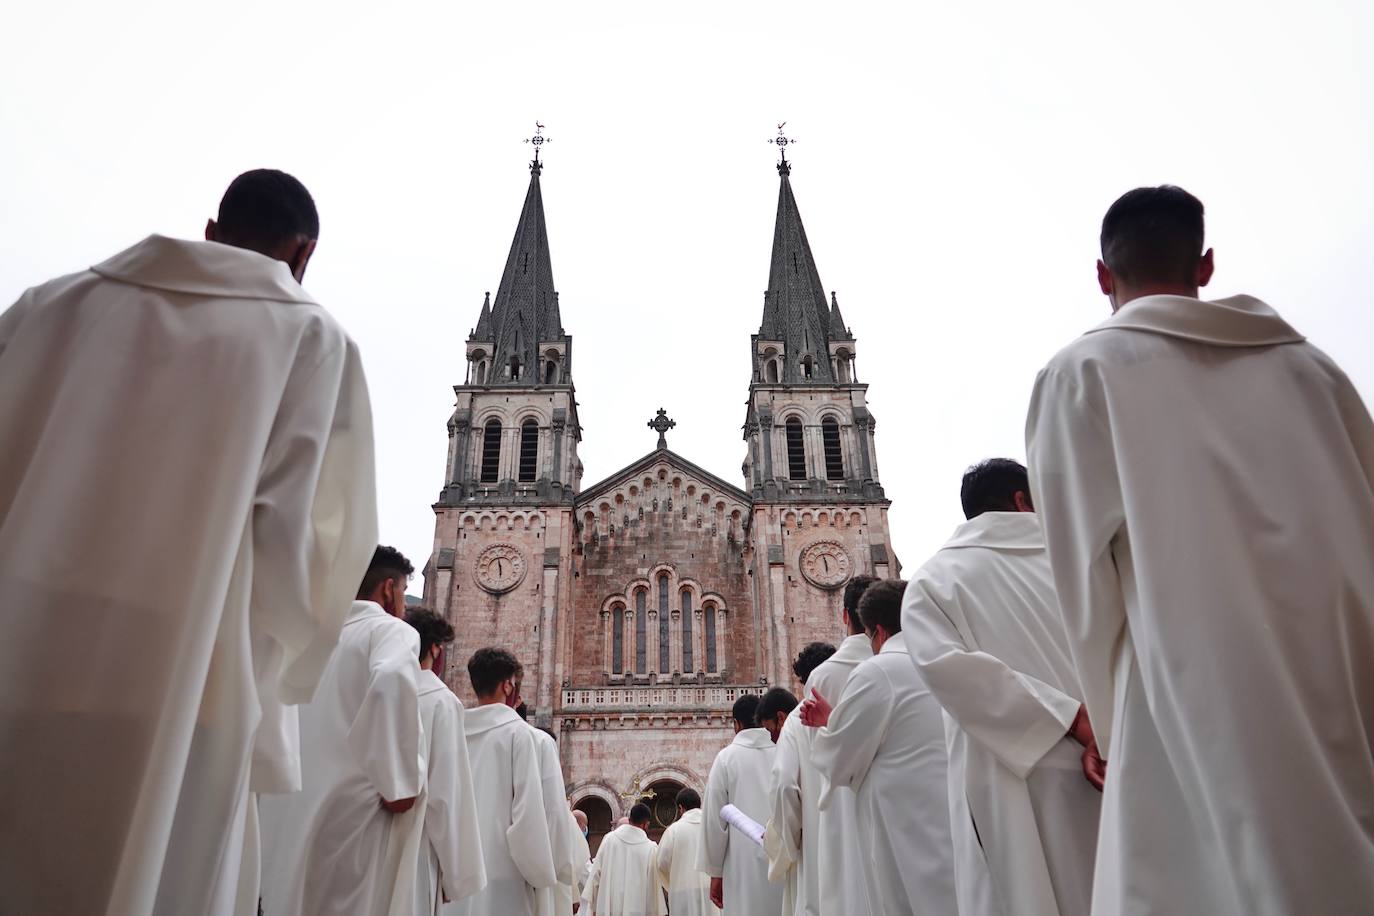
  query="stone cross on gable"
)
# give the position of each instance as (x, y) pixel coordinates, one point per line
(661, 424)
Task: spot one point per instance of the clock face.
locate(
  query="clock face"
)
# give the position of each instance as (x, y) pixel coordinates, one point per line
(825, 564)
(500, 568)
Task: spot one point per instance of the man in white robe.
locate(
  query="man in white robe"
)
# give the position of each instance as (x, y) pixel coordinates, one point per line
(1206, 483)
(556, 900)
(679, 858)
(340, 844)
(794, 793)
(886, 741)
(739, 776)
(187, 491)
(582, 857)
(508, 784)
(841, 883)
(449, 859)
(626, 880)
(982, 624)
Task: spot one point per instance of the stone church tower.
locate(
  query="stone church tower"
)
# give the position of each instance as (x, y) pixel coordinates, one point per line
(644, 605)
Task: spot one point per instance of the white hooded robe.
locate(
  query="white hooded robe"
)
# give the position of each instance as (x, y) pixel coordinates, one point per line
(625, 879)
(739, 776)
(679, 867)
(331, 848)
(982, 624)
(1206, 482)
(186, 490)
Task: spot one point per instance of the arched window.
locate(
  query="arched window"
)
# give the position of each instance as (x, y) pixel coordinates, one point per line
(807, 367)
(834, 456)
(709, 612)
(771, 371)
(665, 653)
(491, 451)
(550, 372)
(480, 377)
(514, 367)
(529, 450)
(796, 450)
(686, 631)
(641, 630)
(617, 639)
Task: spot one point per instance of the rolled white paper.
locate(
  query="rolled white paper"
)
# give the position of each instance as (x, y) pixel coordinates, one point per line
(743, 823)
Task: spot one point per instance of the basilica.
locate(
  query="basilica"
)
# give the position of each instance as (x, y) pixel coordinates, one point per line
(643, 605)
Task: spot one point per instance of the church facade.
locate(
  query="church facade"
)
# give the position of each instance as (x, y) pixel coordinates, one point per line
(643, 605)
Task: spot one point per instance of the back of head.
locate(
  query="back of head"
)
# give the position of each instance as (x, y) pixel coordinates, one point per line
(388, 563)
(489, 667)
(775, 701)
(264, 210)
(1153, 237)
(745, 710)
(433, 629)
(687, 799)
(881, 605)
(852, 593)
(640, 814)
(810, 658)
(992, 485)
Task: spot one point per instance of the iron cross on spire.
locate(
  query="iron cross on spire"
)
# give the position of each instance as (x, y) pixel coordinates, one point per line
(537, 141)
(783, 142)
(661, 424)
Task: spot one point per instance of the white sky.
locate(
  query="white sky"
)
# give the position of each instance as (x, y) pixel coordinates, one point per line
(953, 164)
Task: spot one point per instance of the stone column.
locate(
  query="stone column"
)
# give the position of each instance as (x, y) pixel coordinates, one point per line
(628, 644)
(548, 638)
(651, 643)
(699, 640)
(722, 658)
(608, 643)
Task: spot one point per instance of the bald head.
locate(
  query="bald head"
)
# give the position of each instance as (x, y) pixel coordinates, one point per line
(581, 817)
(270, 212)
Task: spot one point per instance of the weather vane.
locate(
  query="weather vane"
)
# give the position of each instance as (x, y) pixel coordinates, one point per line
(661, 424)
(537, 141)
(783, 142)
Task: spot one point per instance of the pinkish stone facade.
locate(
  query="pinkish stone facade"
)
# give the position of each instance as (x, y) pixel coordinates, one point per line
(643, 606)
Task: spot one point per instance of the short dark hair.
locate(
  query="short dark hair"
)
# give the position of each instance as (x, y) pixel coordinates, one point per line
(775, 701)
(852, 593)
(745, 710)
(433, 629)
(1153, 235)
(991, 486)
(264, 208)
(640, 814)
(489, 667)
(882, 605)
(810, 658)
(687, 799)
(523, 711)
(387, 563)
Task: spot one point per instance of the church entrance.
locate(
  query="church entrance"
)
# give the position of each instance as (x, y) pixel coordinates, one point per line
(663, 806)
(598, 820)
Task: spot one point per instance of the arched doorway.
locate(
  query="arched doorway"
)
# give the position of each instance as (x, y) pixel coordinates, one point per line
(662, 806)
(598, 819)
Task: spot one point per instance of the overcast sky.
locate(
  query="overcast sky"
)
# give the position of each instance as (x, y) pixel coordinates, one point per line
(953, 164)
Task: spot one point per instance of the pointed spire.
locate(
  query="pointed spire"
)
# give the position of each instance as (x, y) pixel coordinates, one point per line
(838, 329)
(483, 329)
(525, 311)
(795, 311)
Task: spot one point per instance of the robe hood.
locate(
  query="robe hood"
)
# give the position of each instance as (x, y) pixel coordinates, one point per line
(895, 643)
(753, 737)
(691, 817)
(481, 719)
(203, 269)
(429, 682)
(630, 835)
(999, 531)
(1237, 321)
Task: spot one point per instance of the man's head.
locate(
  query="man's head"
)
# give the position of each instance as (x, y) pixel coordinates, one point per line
(435, 633)
(269, 212)
(996, 485)
(495, 676)
(687, 799)
(745, 711)
(773, 710)
(881, 610)
(639, 815)
(809, 658)
(1152, 244)
(581, 817)
(386, 579)
(852, 593)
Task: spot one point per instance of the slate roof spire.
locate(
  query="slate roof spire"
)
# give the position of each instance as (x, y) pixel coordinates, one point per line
(525, 311)
(795, 309)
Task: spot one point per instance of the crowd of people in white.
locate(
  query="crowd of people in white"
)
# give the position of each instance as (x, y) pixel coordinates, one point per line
(1136, 680)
